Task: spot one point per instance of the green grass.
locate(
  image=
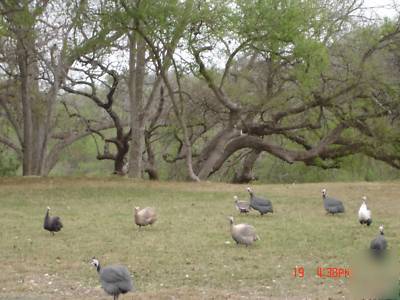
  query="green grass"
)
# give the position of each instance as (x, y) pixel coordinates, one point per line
(185, 254)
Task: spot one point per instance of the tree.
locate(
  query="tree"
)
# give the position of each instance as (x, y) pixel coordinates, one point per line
(288, 87)
(152, 28)
(47, 38)
(94, 72)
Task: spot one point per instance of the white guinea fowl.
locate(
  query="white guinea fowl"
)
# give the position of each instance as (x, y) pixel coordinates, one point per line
(364, 214)
(241, 206)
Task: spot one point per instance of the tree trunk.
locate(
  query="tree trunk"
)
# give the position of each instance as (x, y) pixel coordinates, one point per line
(26, 109)
(245, 175)
(150, 169)
(32, 106)
(119, 161)
(213, 151)
(136, 82)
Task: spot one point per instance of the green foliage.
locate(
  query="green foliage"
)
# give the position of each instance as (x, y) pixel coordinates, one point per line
(353, 168)
(80, 159)
(9, 163)
(315, 60)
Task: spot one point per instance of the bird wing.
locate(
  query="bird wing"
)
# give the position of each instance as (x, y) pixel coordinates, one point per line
(118, 276)
(333, 205)
(361, 213)
(379, 243)
(246, 230)
(56, 220)
(331, 202)
(150, 215)
(243, 205)
(261, 202)
(53, 223)
(375, 244)
(364, 213)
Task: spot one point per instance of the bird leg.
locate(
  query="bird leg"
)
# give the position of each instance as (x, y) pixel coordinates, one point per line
(52, 233)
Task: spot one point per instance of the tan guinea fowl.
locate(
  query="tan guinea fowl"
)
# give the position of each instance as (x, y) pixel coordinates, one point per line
(145, 216)
(243, 233)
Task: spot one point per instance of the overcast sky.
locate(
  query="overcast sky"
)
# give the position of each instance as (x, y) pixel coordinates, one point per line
(384, 8)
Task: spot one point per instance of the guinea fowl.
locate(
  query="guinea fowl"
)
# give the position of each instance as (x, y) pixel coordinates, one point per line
(364, 214)
(115, 279)
(332, 205)
(241, 206)
(52, 224)
(145, 216)
(243, 233)
(261, 205)
(379, 244)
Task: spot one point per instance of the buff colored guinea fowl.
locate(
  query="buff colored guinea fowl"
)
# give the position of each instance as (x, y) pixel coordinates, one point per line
(145, 216)
(243, 233)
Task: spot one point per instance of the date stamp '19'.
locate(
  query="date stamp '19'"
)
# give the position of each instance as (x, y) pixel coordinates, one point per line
(324, 272)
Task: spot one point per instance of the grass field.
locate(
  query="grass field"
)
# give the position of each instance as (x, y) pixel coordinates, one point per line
(188, 253)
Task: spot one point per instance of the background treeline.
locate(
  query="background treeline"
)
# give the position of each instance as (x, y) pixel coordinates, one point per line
(279, 91)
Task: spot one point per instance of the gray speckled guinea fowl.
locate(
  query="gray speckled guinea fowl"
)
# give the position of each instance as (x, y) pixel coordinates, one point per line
(52, 224)
(263, 206)
(332, 205)
(114, 279)
(379, 244)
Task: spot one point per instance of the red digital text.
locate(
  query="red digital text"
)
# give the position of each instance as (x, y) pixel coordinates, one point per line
(324, 272)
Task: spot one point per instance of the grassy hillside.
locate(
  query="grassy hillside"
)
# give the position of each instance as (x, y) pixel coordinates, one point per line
(188, 253)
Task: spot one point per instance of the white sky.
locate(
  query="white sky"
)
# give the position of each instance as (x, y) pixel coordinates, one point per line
(383, 8)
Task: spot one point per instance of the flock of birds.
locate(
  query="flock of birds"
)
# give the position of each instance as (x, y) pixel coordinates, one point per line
(116, 279)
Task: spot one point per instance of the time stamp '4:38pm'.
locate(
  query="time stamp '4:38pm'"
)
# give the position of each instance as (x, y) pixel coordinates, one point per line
(324, 272)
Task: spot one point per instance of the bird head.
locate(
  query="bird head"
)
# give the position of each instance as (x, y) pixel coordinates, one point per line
(381, 229)
(94, 262)
(323, 192)
(249, 190)
(48, 207)
(364, 198)
(230, 219)
(137, 208)
(235, 198)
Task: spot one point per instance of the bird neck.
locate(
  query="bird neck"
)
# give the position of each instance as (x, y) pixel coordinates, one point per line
(382, 233)
(46, 217)
(98, 268)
